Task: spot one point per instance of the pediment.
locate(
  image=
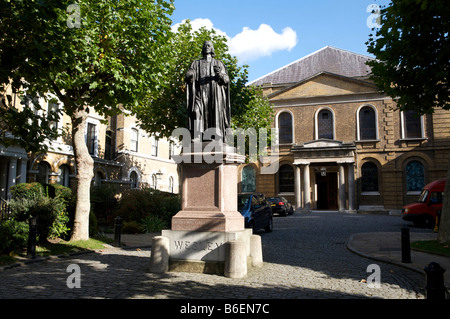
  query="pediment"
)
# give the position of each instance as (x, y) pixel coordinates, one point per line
(323, 84)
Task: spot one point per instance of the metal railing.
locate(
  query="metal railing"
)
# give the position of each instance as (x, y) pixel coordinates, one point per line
(5, 210)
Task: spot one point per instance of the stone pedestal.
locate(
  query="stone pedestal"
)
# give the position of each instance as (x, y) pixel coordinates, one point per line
(209, 218)
(209, 190)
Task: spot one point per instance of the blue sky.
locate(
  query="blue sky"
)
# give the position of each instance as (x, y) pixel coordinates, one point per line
(268, 34)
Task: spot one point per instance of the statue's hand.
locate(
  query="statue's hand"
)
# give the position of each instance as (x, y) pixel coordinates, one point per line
(189, 74)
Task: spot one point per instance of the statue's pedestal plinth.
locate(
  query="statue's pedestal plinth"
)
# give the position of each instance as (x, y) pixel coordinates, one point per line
(209, 219)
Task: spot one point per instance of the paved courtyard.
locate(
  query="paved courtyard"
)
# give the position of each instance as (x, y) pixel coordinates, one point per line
(305, 257)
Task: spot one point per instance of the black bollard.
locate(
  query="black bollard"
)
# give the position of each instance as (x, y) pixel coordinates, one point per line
(118, 230)
(406, 249)
(435, 288)
(32, 234)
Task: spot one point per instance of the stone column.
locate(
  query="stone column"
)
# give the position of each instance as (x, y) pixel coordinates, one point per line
(298, 190)
(23, 171)
(351, 188)
(341, 187)
(306, 188)
(3, 178)
(12, 172)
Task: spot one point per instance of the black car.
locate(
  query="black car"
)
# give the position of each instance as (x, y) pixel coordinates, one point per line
(281, 205)
(256, 211)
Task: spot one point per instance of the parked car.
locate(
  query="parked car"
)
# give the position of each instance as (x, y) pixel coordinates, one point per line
(256, 211)
(426, 209)
(281, 206)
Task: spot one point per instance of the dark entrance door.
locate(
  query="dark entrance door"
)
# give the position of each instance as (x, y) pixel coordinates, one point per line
(327, 191)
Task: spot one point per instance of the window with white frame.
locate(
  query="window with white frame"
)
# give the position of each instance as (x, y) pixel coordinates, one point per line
(154, 184)
(134, 139)
(91, 138)
(63, 175)
(171, 184)
(367, 123)
(412, 125)
(154, 146)
(285, 128)
(325, 124)
(134, 180)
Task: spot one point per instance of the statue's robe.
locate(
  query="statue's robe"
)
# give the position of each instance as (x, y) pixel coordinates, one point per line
(208, 97)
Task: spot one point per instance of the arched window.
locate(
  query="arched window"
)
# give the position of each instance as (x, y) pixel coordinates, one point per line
(285, 128)
(415, 176)
(43, 173)
(154, 184)
(248, 179)
(134, 179)
(286, 179)
(63, 176)
(325, 125)
(367, 123)
(98, 176)
(369, 177)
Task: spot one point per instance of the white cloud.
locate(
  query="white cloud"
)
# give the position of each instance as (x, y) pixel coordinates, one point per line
(252, 44)
(199, 23)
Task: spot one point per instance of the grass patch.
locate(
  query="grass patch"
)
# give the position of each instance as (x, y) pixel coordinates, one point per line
(58, 248)
(432, 246)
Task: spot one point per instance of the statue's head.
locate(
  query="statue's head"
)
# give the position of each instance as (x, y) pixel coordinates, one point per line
(208, 48)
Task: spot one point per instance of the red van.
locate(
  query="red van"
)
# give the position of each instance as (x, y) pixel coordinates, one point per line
(424, 211)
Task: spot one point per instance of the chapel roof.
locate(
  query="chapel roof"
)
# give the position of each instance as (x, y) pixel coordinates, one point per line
(328, 59)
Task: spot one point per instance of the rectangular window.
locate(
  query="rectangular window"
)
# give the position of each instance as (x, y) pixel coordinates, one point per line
(154, 146)
(91, 138)
(412, 124)
(134, 139)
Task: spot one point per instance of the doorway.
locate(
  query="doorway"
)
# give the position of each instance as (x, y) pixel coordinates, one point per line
(327, 190)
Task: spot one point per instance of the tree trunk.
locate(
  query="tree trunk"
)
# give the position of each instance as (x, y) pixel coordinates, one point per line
(444, 226)
(85, 173)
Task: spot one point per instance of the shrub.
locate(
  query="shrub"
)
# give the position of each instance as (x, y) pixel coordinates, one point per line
(13, 235)
(137, 205)
(152, 224)
(51, 215)
(131, 227)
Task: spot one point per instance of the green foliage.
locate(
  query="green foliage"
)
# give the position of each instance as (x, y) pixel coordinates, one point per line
(46, 202)
(131, 227)
(412, 51)
(13, 235)
(153, 223)
(148, 207)
(167, 111)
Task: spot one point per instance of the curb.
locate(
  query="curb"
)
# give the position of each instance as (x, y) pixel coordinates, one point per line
(384, 260)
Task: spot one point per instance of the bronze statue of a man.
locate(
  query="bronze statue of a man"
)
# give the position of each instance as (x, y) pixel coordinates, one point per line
(208, 94)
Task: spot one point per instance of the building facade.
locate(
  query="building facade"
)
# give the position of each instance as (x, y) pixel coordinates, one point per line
(342, 145)
(124, 156)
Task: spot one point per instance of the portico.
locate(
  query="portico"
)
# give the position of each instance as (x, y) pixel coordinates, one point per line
(324, 175)
(13, 168)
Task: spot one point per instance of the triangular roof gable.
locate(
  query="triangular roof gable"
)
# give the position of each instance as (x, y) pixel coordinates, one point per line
(323, 84)
(327, 59)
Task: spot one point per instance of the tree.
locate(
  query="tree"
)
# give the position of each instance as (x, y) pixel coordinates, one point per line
(101, 55)
(412, 51)
(249, 108)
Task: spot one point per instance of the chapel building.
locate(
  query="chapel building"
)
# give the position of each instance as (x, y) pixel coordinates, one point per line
(342, 145)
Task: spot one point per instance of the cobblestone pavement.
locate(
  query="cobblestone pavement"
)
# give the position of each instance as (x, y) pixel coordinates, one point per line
(304, 257)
